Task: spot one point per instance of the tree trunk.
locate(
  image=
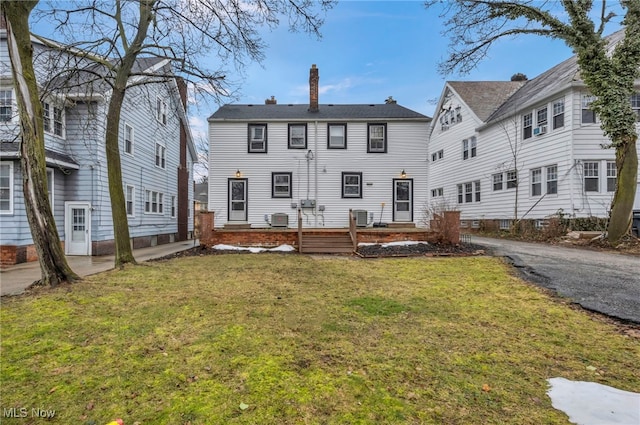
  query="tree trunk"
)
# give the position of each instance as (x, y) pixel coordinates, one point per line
(53, 263)
(622, 205)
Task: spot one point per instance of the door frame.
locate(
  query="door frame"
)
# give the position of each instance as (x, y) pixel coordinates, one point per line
(67, 226)
(393, 197)
(246, 198)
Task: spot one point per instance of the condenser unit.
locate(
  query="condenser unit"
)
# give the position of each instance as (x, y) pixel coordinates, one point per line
(361, 217)
(279, 220)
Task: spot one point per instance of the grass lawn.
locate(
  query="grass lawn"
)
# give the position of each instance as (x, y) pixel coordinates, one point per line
(284, 339)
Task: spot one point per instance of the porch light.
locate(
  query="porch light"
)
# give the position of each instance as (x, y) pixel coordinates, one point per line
(403, 174)
(238, 174)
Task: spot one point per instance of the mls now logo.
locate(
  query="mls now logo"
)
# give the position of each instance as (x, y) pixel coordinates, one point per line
(23, 412)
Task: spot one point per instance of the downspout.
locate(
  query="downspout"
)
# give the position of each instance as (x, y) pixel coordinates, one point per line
(315, 169)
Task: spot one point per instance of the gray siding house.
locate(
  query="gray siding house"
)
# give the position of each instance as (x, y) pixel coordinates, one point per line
(267, 161)
(156, 150)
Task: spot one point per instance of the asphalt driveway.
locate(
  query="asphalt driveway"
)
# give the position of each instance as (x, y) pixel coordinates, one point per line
(608, 283)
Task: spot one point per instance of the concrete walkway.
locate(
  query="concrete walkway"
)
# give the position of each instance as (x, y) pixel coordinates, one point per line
(15, 279)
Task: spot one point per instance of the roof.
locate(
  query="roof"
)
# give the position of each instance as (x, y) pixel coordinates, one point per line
(484, 97)
(12, 150)
(327, 112)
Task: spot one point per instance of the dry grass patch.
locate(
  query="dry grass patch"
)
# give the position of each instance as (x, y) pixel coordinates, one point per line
(293, 339)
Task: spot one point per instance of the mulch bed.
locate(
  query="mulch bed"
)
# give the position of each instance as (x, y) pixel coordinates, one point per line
(366, 251)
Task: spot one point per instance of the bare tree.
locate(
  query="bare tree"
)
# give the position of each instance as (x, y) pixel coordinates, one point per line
(53, 263)
(608, 71)
(182, 31)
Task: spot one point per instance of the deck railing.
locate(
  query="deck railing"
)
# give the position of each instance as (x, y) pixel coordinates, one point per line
(353, 230)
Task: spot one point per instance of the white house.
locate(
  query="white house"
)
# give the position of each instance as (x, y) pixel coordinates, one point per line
(266, 161)
(527, 149)
(156, 150)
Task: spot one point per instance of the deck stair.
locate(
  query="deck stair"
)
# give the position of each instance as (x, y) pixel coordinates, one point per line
(326, 243)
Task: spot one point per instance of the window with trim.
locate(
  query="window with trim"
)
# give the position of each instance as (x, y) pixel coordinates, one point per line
(460, 194)
(173, 206)
(337, 136)
(437, 155)
(552, 179)
(536, 182)
(591, 176)
(635, 105)
(161, 152)
(377, 138)
(153, 203)
(476, 187)
(297, 136)
(53, 119)
(498, 183)
(6, 105)
(527, 125)
(588, 115)
(130, 197)
(128, 139)
(351, 185)
(50, 187)
(541, 116)
(257, 142)
(512, 179)
(558, 113)
(161, 111)
(281, 185)
(505, 224)
(6, 187)
(466, 192)
(612, 176)
(469, 148)
(439, 192)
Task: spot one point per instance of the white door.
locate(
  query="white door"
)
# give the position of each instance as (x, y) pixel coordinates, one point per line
(237, 200)
(77, 228)
(402, 200)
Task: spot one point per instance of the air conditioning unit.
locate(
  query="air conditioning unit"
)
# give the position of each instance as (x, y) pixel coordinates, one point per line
(361, 217)
(540, 130)
(279, 220)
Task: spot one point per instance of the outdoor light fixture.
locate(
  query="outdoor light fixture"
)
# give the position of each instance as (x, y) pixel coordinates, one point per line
(403, 174)
(238, 174)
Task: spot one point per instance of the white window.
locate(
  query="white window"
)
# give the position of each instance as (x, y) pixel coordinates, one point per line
(612, 176)
(591, 176)
(6, 105)
(541, 117)
(476, 185)
(53, 117)
(257, 138)
(505, 224)
(460, 194)
(552, 179)
(497, 182)
(173, 206)
(6, 188)
(160, 155)
(558, 113)
(377, 138)
(437, 155)
(439, 192)
(153, 202)
(468, 192)
(635, 105)
(128, 139)
(536, 182)
(337, 136)
(351, 185)
(130, 195)
(50, 187)
(512, 179)
(527, 125)
(469, 148)
(297, 136)
(160, 203)
(161, 111)
(281, 185)
(588, 115)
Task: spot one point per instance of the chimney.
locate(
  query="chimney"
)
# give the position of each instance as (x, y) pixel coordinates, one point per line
(390, 101)
(313, 88)
(182, 90)
(271, 101)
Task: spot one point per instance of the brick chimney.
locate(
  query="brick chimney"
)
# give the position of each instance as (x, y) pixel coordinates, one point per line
(271, 101)
(313, 88)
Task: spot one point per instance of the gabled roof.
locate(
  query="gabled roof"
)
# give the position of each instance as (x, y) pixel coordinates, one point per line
(484, 97)
(327, 112)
